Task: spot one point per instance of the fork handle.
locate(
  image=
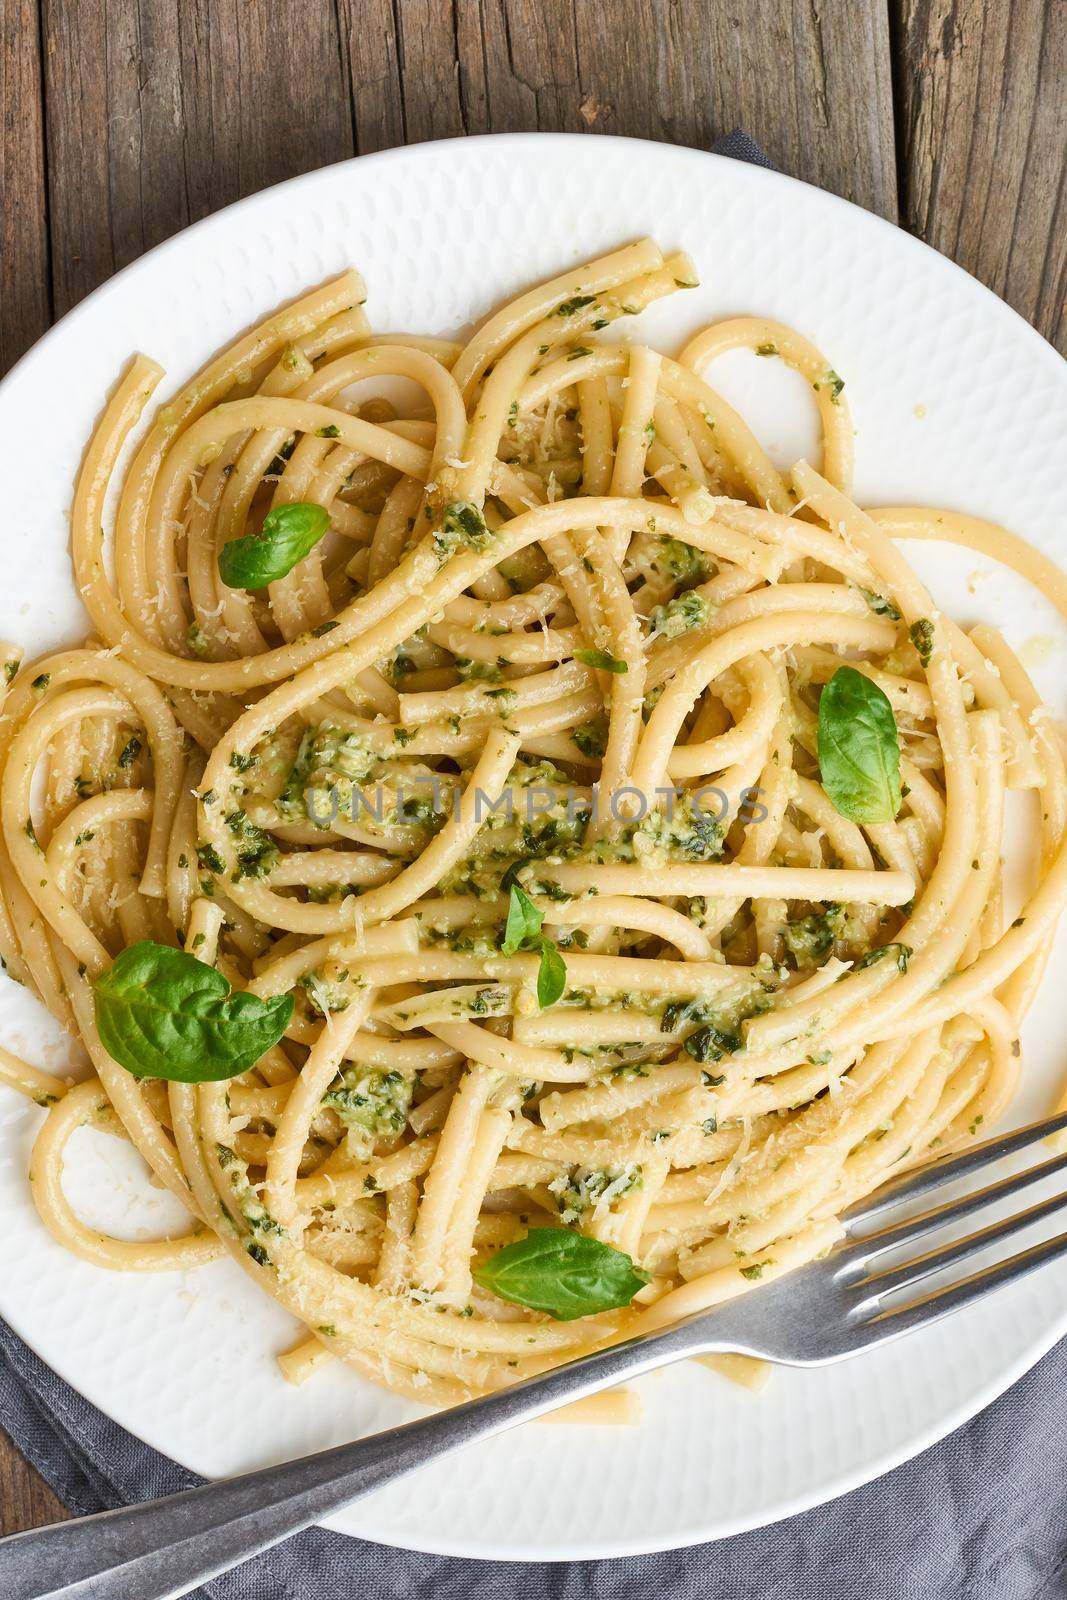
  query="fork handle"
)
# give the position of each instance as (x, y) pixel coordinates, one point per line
(164, 1548)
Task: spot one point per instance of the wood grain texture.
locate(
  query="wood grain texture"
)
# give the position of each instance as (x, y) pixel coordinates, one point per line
(158, 114)
(26, 1501)
(982, 95)
(24, 298)
(812, 80)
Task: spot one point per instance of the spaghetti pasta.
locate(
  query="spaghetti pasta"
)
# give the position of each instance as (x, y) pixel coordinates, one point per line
(519, 781)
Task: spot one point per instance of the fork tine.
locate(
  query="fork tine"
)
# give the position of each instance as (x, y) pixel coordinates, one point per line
(869, 1246)
(897, 1320)
(912, 1272)
(948, 1168)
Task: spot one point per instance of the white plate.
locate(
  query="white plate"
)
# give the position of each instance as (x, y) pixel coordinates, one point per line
(956, 402)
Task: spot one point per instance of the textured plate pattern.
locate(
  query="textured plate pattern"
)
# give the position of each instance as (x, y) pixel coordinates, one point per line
(956, 402)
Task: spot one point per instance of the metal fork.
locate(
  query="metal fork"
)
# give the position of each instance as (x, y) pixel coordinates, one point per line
(854, 1299)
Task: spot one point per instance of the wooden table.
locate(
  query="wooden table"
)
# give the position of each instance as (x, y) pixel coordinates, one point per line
(124, 121)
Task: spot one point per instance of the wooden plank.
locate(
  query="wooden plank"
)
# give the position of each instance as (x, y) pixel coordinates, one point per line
(981, 136)
(369, 55)
(26, 1501)
(24, 305)
(159, 114)
(812, 83)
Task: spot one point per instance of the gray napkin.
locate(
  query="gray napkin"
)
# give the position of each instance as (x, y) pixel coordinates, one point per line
(980, 1516)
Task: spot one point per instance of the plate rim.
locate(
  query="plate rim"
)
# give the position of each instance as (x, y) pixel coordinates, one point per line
(739, 1525)
(397, 153)
(1041, 349)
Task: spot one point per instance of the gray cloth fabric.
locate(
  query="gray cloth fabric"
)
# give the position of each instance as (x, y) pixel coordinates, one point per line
(980, 1516)
(742, 147)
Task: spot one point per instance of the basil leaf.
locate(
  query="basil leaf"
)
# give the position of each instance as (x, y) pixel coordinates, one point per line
(524, 920)
(601, 660)
(163, 1014)
(711, 1043)
(551, 975)
(566, 1274)
(921, 634)
(462, 526)
(859, 748)
(288, 533)
(512, 874)
(567, 308)
(522, 931)
(879, 604)
(901, 954)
